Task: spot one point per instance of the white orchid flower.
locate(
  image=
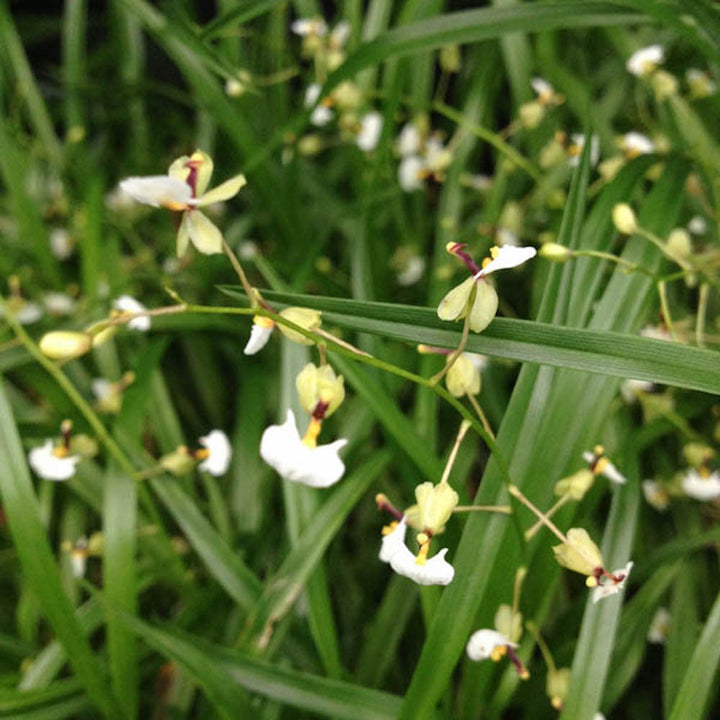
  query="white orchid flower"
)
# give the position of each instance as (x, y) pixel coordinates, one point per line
(607, 587)
(634, 144)
(411, 173)
(701, 486)
(322, 114)
(507, 256)
(183, 189)
(434, 571)
(52, 463)
(485, 644)
(645, 60)
(282, 448)
(219, 453)
(370, 130)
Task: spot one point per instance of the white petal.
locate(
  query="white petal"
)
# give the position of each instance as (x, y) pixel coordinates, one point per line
(259, 336)
(340, 34)
(659, 626)
(542, 87)
(50, 467)
(412, 272)
(101, 388)
(409, 140)
(282, 448)
(410, 173)
(28, 313)
(57, 303)
(393, 542)
(61, 243)
(481, 644)
(435, 571)
(645, 59)
(700, 488)
(613, 474)
(578, 139)
(630, 389)
(158, 191)
(507, 257)
(637, 143)
(588, 457)
(370, 129)
(218, 461)
(611, 588)
(321, 115)
(127, 304)
(655, 495)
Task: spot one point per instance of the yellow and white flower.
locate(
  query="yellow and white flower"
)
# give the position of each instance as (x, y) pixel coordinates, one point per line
(127, 305)
(371, 124)
(421, 570)
(262, 329)
(644, 62)
(183, 189)
(217, 453)
(298, 460)
(601, 465)
(51, 462)
(701, 484)
(611, 583)
(486, 644)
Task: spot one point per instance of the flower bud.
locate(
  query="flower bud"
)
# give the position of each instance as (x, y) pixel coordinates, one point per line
(575, 485)
(663, 84)
(450, 59)
(531, 114)
(557, 686)
(624, 218)
(679, 244)
(435, 504)
(179, 462)
(65, 344)
(320, 384)
(555, 252)
(579, 554)
(698, 454)
(304, 317)
(310, 145)
(463, 377)
(509, 623)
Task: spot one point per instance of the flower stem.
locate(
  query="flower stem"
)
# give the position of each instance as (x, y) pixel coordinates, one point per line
(502, 509)
(464, 427)
(529, 534)
(479, 412)
(517, 493)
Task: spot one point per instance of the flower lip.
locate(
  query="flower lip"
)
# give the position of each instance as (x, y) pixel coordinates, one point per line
(128, 304)
(613, 585)
(50, 466)
(699, 487)
(220, 453)
(282, 448)
(259, 335)
(506, 257)
(483, 643)
(159, 191)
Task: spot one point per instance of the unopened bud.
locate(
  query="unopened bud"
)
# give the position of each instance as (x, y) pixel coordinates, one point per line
(178, 463)
(509, 623)
(306, 318)
(575, 485)
(463, 377)
(320, 385)
(624, 219)
(310, 145)
(557, 686)
(65, 344)
(579, 554)
(679, 244)
(555, 252)
(664, 84)
(531, 114)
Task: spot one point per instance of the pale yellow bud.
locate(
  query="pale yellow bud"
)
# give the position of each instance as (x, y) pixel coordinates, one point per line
(65, 344)
(531, 114)
(609, 168)
(555, 252)
(664, 84)
(347, 96)
(697, 454)
(556, 199)
(310, 145)
(435, 504)
(450, 59)
(579, 554)
(306, 318)
(320, 384)
(463, 377)
(679, 244)
(512, 217)
(508, 623)
(177, 463)
(96, 543)
(575, 485)
(557, 686)
(83, 445)
(624, 219)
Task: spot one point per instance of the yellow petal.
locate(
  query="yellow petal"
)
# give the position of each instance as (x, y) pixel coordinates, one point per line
(183, 235)
(179, 169)
(225, 191)
(454, 305)
(203, 234)
(484, 308)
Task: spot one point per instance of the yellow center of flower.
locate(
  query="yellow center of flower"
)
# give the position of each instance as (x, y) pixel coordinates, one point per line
(498, 653)
(312, 432)
(600, 466)
(556, 702)
(201, 454)
(591, 581)
(424, 542)
(263, 322)
(704, 472)
(60, 451)
(175, 206)
(388, 529)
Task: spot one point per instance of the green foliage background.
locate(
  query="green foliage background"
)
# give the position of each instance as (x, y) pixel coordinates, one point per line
(246, 595)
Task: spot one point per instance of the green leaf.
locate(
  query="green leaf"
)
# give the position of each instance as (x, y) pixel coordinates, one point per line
(698, 687)
(224, 673)
(40, 572)
(605, 352)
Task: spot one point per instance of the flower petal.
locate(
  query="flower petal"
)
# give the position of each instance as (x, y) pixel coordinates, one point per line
(218, 461)
(183, 236)
(203, 233)
(484, 307)
(49, 466)
(230, 188)
(259, 336)
(481, 644)
(158, 191)
(506, 257)
(454, 304)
